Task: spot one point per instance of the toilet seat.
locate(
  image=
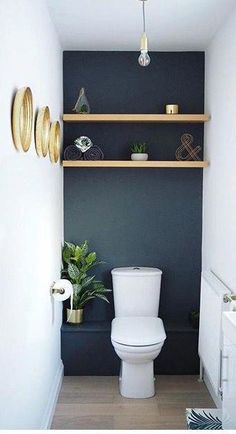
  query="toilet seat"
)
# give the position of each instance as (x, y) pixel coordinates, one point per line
(137, 331)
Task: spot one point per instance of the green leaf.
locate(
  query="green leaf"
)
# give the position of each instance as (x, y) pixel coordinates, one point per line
(86, 293)
(103, 291)
(86, 282)
(103, 297)
(84, 268)
(76, 289)
(70, 246)
(78, 253)
(94, 264)
(98, 285)
(91, 258)
(73, 271)
(66, 254)
(84, 248)
(82, 304)
(138, 148)
(86, 297)
(82, 275)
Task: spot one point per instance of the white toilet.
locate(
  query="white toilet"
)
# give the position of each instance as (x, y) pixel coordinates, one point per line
(137, 334)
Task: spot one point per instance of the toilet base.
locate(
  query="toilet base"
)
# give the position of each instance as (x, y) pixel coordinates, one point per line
(137, 380)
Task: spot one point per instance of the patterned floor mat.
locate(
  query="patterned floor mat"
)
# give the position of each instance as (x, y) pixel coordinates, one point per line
(204, 418)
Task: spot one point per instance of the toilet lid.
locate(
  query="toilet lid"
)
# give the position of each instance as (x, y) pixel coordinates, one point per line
(137, 331)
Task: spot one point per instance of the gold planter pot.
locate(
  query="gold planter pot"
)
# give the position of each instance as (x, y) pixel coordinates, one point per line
(75, 316)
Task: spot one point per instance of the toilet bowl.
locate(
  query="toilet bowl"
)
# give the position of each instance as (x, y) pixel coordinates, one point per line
(137, 334)
(137, 341)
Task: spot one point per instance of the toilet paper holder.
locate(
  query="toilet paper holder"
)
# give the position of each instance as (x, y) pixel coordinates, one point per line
(229, 298)
(62, 290)
(56, 290)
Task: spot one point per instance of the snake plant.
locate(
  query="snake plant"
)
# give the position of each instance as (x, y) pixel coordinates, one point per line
(138, 148)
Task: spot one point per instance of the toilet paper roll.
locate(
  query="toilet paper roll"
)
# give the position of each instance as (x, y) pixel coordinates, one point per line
(67, 288)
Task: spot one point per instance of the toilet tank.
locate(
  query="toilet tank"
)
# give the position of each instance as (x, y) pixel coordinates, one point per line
(136, 291)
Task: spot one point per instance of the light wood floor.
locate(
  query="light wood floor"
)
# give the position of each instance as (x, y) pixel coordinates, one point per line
(95, 403)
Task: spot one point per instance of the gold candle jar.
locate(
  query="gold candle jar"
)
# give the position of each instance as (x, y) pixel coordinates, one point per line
(172, 109)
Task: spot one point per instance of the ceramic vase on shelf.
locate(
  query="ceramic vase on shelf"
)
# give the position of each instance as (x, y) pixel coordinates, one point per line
(139, 156)
(74, 316)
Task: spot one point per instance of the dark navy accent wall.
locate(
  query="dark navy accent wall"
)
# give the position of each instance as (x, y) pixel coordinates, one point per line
(145, 217)
(116, 83)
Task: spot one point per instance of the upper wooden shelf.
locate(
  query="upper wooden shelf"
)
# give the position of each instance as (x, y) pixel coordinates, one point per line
(136, 118)
(130, 163)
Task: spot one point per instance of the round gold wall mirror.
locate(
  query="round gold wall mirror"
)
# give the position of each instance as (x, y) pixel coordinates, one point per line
(42, 131)
(22, 119)
(54, 141)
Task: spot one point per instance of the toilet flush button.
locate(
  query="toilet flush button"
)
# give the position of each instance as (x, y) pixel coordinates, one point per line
(136, 268)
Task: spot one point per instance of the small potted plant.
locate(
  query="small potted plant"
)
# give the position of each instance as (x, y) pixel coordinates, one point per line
(138, 152)
(77, 262)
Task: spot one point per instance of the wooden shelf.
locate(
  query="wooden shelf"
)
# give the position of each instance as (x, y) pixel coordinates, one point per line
(191, 118)
(105, 327)
(129, 163)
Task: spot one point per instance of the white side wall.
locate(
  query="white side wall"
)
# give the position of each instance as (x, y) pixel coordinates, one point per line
(219, 207)
(30, 222)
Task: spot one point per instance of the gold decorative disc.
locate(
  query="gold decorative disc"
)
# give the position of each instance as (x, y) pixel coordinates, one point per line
(42, 131)
(54, 141)
(22, 119)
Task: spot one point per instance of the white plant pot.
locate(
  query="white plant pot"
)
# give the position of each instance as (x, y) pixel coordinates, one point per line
(139, 157)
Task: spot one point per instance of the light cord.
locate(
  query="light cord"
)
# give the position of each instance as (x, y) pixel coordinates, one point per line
(144, 21)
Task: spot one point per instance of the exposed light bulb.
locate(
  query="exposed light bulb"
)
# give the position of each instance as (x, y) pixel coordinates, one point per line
(144, 58)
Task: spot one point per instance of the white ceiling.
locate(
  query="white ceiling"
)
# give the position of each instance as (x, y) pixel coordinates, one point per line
(117, 24)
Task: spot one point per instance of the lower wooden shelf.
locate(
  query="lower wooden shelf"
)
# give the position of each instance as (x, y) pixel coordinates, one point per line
(144, 164)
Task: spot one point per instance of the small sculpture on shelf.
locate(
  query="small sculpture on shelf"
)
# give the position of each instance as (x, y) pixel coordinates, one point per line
(83, 143)
(88, 149)
(186, 151)
(82, 105)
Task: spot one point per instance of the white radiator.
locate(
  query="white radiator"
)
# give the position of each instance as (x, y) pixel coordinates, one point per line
(212, 305)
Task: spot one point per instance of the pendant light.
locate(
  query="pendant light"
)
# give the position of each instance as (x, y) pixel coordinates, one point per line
(144, 58)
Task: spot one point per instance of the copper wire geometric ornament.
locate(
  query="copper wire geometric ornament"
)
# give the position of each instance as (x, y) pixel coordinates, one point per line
(42, 131)
(54, 141)
(22, 119)
(186, 152)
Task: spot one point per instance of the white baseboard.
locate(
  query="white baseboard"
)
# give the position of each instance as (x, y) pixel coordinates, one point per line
(52, 399)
